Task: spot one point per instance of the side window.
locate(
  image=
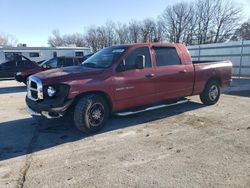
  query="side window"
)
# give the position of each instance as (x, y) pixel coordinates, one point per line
(52, 63)
(68, 62)
(130, 60)
(77, 54)
(12, 56)
(166, 56)
(34, 54)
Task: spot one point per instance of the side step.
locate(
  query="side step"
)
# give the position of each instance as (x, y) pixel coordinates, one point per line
(151, 108)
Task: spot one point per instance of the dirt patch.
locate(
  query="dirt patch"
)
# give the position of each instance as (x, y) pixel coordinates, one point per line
(197, 121)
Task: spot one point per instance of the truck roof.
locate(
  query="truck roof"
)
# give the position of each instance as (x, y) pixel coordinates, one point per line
(150, 44)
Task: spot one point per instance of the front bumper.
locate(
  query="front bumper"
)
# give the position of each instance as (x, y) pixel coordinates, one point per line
(50, 108)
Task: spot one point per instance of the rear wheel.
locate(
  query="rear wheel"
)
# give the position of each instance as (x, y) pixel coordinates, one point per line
(91, 113)
(211, 94)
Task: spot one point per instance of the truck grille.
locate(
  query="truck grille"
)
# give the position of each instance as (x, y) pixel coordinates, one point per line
(34, 88)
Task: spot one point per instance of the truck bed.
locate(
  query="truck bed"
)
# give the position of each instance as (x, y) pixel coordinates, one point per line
(205, 70)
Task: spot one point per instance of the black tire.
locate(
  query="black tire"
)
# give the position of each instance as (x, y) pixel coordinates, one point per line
(211, 93)
(87, 112)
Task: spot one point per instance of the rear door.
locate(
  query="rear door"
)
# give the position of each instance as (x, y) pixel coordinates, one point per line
(134, 87)
(173, 78)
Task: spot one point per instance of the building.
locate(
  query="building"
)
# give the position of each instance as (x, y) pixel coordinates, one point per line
(41, 53)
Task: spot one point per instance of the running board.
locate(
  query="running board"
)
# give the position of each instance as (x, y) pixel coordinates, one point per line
(151, 108)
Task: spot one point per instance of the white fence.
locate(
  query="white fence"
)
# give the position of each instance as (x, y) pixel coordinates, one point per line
(238, 52)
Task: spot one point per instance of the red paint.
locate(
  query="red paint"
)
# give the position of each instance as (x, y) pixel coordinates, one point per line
(131, 88)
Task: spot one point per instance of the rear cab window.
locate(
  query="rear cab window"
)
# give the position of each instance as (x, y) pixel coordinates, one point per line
(166, 56)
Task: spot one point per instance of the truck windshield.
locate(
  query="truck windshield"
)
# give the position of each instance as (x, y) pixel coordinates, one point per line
(104, 58)
(51, 63)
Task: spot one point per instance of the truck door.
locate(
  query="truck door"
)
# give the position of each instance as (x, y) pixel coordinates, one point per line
(8, 69)
(132, 86)
(173, 79)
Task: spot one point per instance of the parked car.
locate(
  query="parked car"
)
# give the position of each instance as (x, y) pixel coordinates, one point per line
(125, 79)
(50, 64)
(18, 63)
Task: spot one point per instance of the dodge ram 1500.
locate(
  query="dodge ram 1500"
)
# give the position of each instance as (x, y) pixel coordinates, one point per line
(125, 79)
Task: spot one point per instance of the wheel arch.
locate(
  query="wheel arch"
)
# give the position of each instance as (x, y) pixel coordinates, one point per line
(215, 78)
(103, 94)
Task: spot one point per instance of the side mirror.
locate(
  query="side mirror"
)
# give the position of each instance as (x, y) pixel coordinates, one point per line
(140, 62)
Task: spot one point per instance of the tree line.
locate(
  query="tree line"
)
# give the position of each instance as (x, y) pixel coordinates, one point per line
(197, 22)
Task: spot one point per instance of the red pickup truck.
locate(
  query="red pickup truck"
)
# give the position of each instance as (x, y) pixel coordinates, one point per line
(125, 79)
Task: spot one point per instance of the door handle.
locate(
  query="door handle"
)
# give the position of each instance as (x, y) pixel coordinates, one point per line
(150, 75)
(183, 71)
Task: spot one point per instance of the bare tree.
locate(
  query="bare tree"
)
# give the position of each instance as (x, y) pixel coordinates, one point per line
(76, 39)
(160, 32)
(217, 19)
(122, 32)
(243, 32)
(102, 37)
(205, 21)
(205, 12)
(148, 30)
(226, 19)
(56, 40)
(111, 36)
(199, 22)
(176, 19)
(7, 40)
(134, 31)
(91, 38)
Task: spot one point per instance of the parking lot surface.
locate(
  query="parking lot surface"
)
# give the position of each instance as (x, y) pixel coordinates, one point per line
(189, 145)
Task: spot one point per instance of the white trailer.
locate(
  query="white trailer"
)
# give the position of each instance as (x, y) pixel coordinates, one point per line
(38, 54)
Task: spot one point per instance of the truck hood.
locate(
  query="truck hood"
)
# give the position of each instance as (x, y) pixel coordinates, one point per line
(67, 74)
(31, 71)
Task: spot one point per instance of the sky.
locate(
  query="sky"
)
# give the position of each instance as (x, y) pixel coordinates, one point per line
(31, 22)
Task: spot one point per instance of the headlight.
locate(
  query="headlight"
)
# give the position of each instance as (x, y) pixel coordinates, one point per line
(51, 91)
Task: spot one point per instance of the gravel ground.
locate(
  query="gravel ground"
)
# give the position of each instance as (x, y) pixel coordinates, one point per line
(189, 145)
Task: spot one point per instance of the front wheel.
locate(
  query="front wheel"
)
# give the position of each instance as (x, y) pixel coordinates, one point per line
(211, 94)
(91, 113)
